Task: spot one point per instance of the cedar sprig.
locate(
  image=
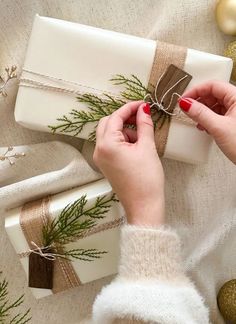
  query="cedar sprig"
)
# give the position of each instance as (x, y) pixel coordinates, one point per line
(99, 107)
(7, 307)
(134, 89)
(104, 105)
(84, 255)
(72, 222)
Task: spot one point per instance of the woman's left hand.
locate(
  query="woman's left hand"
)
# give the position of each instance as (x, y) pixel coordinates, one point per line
(129, 160)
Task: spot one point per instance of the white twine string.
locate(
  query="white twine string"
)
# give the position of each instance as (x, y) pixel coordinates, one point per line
(26, 82)
(30, 83)
(46, 255)
(159, 104)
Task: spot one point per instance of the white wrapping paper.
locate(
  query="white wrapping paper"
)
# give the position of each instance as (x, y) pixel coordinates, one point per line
(107, 240)
(91, 56)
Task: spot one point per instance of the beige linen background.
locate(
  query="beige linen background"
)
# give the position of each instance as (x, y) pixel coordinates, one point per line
(201, 200)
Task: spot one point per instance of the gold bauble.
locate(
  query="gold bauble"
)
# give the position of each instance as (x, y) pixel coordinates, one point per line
(226, 16)
(227, 301)
(231, 53)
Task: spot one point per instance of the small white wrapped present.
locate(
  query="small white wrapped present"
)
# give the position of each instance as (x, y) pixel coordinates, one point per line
(65, 58)
(25, 234)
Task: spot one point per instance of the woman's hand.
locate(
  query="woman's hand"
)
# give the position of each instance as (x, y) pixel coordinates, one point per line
(129, 160)
(215, 112)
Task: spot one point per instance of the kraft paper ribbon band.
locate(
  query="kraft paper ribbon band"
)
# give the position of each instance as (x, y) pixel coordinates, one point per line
(32, 218)
(165, 55)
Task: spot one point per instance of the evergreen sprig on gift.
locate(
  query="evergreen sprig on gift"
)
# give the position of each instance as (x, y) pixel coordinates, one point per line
(75, 219)
(103, 106)
(134, 89)
(98, 108)
(7, 307)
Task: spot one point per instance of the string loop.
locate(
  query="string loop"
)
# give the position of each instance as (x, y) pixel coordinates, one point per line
(159, 104)
(46, 255)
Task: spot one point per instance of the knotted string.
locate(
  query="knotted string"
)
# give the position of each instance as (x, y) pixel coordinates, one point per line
(159, 104)
(46, 255)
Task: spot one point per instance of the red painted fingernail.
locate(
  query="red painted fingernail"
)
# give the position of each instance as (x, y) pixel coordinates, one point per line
(185, 104)
(147, 109)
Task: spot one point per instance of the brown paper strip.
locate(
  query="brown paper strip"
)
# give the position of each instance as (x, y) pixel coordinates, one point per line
(165, 55)
(32, 219)
(64, 276)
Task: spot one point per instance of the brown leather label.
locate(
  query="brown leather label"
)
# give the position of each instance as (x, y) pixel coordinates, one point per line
(173, 80)
(40, 271)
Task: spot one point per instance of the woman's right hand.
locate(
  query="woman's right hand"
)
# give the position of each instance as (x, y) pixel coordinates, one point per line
(214, 112)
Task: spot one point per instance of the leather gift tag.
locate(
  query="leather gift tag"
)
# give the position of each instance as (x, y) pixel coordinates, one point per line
(168, 85)
(40, 271)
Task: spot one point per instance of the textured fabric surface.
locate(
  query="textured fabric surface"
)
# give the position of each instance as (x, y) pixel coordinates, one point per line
(47, 168)
(165, 303)
(150, 253)
(151, 285)
(201, 202)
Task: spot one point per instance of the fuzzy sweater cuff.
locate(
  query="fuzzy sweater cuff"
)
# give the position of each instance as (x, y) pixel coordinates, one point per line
(150, 253)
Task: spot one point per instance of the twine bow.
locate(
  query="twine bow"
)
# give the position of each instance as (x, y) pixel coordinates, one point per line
(42, 252)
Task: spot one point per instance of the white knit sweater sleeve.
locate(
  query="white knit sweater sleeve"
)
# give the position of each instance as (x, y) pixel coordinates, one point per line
(151, 286)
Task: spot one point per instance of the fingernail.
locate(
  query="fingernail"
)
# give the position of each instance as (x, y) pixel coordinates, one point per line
(185, 104)
(147, 109)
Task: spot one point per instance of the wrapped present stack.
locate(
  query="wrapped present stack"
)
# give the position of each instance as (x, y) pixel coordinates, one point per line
(73, 75)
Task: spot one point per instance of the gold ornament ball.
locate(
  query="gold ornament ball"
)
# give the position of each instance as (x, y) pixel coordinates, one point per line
(227, 301)
(226, 16)
(231, 53)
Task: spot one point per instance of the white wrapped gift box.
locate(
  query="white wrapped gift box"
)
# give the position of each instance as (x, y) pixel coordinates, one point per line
(107, 240)
(90, 57)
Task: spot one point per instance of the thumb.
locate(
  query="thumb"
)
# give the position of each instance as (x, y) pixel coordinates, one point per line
(201, 114)
(145, 130)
